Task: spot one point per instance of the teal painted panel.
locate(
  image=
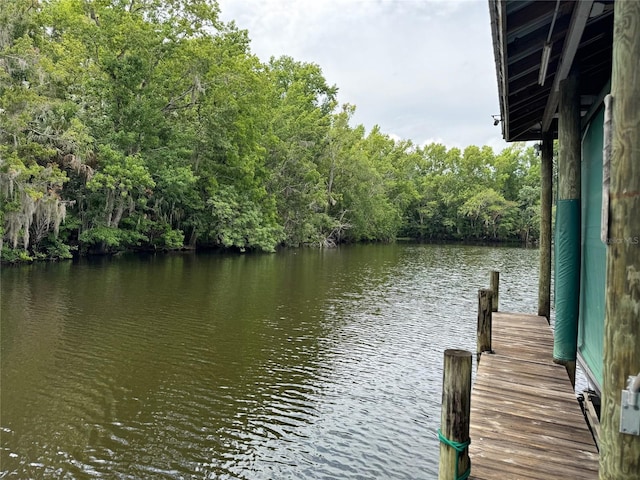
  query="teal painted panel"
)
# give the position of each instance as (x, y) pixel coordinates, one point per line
(594, 252)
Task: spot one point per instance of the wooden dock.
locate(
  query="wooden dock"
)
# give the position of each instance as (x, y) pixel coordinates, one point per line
(525, 420)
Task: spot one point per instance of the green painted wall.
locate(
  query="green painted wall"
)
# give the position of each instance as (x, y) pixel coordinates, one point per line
(593, 268)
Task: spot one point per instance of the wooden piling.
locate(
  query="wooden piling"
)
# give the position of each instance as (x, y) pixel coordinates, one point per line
(495, 286)
(454, 419)
(568, 220)
(620, 452)
(546, 191)
(485, 303)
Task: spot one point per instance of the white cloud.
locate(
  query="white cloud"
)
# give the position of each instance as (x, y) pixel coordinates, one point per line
(420, 69)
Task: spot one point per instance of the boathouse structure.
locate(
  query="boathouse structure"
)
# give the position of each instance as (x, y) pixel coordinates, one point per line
(569, 71)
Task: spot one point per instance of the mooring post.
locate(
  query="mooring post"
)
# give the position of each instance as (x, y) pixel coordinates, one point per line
(454, 419)
(620, 452)
(546, 198)
(568, 226)
(495, 286)
(485, 296)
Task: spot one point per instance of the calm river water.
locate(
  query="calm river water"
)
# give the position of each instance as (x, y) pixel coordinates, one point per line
(304, 364)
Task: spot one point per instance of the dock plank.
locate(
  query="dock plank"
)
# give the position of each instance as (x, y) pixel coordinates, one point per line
(525, 420)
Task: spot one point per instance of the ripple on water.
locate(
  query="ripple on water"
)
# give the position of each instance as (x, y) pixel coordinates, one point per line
(318, 365)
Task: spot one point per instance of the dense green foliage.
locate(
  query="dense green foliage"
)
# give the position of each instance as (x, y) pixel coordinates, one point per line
(149, 124)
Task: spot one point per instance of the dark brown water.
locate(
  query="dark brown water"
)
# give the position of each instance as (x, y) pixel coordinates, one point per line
(302, 364)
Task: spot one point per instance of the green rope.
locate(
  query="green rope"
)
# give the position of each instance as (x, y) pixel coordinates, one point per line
(459, 448)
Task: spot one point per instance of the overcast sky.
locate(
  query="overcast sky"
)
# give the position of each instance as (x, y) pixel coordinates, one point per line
(421, 69)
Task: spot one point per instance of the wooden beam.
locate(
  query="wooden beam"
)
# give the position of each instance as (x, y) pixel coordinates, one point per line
(524, 66)
(527, 82)
(533, 16)
(524, 128)
(620, 453)
(535, 102)
(569, 49)
(532, 44)
(546, 189)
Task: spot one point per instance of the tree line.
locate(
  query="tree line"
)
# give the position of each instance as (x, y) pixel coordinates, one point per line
(148, 124)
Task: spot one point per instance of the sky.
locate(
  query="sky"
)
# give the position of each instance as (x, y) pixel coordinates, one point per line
(422, 70)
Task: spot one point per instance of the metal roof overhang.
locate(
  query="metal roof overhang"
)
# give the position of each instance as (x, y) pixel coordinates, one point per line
(577, 36)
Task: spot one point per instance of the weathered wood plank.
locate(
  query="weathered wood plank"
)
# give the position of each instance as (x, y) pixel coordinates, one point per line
(525, 420)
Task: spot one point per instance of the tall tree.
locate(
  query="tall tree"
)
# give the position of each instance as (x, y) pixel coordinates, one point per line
(301, 105)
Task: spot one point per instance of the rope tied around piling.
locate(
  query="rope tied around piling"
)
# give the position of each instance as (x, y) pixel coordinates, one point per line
(459, 448)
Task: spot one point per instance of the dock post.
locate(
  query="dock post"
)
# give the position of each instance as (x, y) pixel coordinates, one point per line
(495, 286)
(454, 420)
(485, 303)
(620, 452)
(567, 238)
(546, 198)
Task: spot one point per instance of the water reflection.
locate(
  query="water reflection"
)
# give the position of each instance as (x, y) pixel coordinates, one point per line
(305, 364)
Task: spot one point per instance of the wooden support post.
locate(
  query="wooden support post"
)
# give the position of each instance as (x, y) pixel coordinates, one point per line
(569, 141)
(485, 296)
(620, 453)
(568, 220)
(454, 419)
(495, 286)
(546, 189)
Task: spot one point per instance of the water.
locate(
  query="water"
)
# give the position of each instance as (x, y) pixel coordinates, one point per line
(304, 364)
